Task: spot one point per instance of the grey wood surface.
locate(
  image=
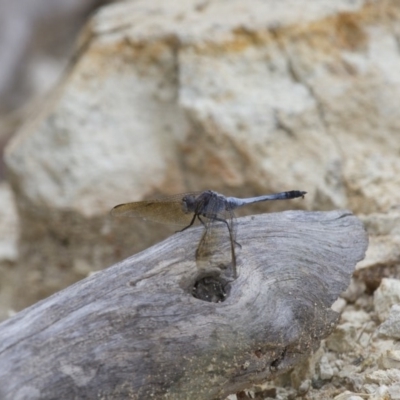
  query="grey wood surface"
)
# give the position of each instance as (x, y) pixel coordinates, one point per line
(135, 330)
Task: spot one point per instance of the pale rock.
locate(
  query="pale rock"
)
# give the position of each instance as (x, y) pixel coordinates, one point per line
(389, 359)
(391, 327)
(381, 393)
(9, 225)
(346, 371)
(365, 302)
(347, 395)
(370, 388)
(382, 224)
(369, 327)
(384, 377)
(339, 364)
(354, 291)
(356, 317)
(326, 371)
(304, 387)
(117, 132)
(394, 391)
(265, 99)
(355, 398)
(384, 241)
(339, 305)
(381, 250)
(9, 235)
(331, 357)
(364, 339)
(342, 339)
(355, 379)
(386, 296)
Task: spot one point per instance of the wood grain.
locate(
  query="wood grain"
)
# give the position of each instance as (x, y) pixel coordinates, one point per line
(135, 330)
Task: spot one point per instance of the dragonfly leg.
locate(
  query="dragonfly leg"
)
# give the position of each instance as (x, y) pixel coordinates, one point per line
(233, 254)
(223, 220)
(237, 244)
(191, 223)
(198, 217)
(234, 241)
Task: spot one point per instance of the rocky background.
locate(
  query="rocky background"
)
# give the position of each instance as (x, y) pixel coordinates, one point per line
(243, 97)
(37, 41)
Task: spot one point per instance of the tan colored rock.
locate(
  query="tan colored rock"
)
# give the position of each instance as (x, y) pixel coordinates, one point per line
(384, 246)
(390, 359)
(384, 377)
(9, 234)
(9, 225)
(391, 327)
(326, 371)
(386, 296)
(347, 395)
(354, 398)
(383, 253)
(357, 318)
(339, 305)
(394, 391)
(379, 393)
(355, 289)
(342, 339)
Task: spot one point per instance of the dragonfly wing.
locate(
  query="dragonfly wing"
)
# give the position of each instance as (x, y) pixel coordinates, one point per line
(161, 211)
(212, 248)
(226, 217)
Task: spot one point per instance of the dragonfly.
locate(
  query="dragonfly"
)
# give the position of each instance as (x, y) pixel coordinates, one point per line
(207, 207)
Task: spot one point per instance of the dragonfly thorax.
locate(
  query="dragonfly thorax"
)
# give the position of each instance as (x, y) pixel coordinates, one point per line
(207, 204)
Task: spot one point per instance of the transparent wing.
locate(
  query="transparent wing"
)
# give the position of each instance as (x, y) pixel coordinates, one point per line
(164, 210)
(212, 246)
(228, 222)
(226, 217)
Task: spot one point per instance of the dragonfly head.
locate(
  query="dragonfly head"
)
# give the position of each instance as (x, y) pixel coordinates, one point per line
(188, 204)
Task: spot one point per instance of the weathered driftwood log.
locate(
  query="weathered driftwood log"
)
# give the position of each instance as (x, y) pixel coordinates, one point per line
(136, 331)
